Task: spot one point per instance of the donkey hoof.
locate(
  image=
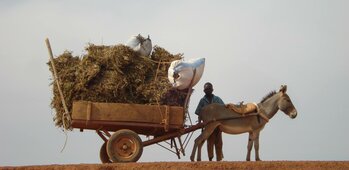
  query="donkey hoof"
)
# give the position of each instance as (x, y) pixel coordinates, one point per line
(248, 159)
(192, 158)
(258, 159)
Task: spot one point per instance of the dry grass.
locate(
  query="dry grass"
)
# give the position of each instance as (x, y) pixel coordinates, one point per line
(113, 74)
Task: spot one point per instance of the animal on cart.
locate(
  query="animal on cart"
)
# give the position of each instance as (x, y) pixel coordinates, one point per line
(218, 116)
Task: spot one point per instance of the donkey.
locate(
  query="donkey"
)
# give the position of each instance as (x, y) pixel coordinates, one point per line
(218, 116)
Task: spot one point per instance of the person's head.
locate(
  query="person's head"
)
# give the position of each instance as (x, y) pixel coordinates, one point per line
(208, 88)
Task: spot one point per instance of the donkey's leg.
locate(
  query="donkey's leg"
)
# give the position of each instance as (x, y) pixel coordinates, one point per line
(198, 157)
(249, 146)
(204, 136)
(192, 156)
(256, 146)
(210, 142)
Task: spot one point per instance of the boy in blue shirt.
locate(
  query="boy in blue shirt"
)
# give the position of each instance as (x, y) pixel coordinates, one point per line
(216, 137)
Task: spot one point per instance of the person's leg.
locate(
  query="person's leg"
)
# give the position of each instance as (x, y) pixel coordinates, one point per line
(219, 145)
(210, 142)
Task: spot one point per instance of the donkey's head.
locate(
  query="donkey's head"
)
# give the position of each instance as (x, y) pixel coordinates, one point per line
(285, 104)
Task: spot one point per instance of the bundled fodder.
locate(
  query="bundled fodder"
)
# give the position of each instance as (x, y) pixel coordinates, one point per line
(114, 74)
(66, 66)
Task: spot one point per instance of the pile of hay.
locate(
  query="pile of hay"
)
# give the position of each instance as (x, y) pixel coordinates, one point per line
(114, 74)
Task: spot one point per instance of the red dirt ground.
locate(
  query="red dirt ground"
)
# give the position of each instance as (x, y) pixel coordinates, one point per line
(264, 165)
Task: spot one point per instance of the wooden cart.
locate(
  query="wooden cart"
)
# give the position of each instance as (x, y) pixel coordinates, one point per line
(128, 121)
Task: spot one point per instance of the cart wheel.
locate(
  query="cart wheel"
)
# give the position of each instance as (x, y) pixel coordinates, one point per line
(124, 146)
(103, 154)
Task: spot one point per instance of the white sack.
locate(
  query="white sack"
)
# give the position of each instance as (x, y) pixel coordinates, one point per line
(140, 44)
(180, 73)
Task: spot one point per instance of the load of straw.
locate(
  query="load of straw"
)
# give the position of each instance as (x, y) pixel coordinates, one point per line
(114, 74)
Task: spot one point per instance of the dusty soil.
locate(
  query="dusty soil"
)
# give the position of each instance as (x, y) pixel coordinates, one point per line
(265, 165)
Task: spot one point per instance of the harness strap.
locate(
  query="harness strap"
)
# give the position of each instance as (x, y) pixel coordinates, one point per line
(261, 113)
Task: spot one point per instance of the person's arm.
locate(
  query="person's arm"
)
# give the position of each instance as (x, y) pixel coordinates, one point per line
(199, 107)
(219, 100)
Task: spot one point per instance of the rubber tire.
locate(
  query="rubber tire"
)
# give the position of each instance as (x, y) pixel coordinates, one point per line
(132, 151)
(103, 155)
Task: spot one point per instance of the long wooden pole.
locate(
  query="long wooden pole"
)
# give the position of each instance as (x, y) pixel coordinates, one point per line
(66, 114)
(187, 98)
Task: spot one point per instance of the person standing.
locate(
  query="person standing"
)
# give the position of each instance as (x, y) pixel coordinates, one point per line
(216, 138)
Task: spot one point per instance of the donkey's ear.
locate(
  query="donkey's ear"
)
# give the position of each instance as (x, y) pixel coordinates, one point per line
(283, 89)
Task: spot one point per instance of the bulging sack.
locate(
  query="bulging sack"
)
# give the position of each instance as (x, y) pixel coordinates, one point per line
(181, 73)
(140, 44)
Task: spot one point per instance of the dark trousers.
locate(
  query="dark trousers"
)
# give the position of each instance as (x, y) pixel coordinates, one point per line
(215, 140)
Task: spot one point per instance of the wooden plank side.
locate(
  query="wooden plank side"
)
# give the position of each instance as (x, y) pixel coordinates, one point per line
(154, 129)
(127, 112)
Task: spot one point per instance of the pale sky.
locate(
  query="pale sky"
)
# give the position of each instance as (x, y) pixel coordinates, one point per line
(251, 48)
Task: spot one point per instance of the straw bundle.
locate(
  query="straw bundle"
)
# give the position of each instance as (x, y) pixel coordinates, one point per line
(114, 74)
